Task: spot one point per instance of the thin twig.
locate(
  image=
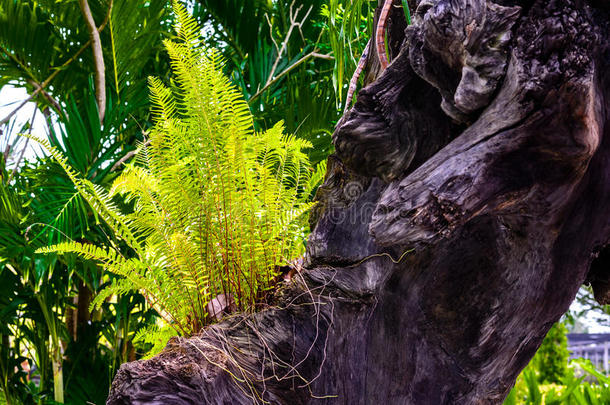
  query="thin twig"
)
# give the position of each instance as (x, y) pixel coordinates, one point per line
(32, 80)
(19, 63)
(353, 83)
(322, 56)
(277, 48)
(293, 23)
(10, 115)
(288, 70)
(46, 95)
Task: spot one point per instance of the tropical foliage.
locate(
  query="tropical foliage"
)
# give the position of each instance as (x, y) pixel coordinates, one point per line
(552, 357)
(216, 207)
(350, 25)
(281, 56)
(45, 328)
(48, 335)
(582, 385)
(45, 48)
(551, 379)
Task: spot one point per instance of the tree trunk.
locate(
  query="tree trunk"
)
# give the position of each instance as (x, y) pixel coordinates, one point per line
(467, 201)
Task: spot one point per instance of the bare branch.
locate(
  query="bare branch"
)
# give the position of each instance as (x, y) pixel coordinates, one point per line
(277, 48)
(46, 95)
(293, 23)
(288, 70)
(98, 57)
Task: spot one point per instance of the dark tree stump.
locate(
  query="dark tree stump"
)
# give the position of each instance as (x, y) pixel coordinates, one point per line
(468, 200)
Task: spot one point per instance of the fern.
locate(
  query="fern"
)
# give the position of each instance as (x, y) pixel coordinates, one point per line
(217, 207)
(153, 339)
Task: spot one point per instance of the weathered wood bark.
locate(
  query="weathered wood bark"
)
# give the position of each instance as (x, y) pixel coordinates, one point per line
(467, 201)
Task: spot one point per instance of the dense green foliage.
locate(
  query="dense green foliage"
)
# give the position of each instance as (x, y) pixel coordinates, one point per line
(42, 325)
(216, 207)
(46, 321)
(552, 357)
(350, 27)
(551, 379)
(291, 60)
(48, 334)
(583, 384)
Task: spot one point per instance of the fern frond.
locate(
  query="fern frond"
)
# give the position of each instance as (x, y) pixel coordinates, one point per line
(118, 287)
(217, 206)
(162, 101)
(86, 250)
(95, 195)
(153, 339)
(187, 28)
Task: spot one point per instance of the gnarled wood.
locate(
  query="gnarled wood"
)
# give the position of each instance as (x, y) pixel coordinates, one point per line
(468, 200)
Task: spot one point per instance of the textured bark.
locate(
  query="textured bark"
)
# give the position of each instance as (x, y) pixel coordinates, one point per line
(468, 200)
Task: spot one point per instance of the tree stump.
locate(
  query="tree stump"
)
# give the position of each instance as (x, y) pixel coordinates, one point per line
(468, 200)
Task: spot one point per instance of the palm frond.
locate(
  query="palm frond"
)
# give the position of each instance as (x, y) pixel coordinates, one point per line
(95, 195)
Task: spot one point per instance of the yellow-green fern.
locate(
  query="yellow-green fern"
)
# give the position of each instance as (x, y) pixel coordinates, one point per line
(216, 206)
